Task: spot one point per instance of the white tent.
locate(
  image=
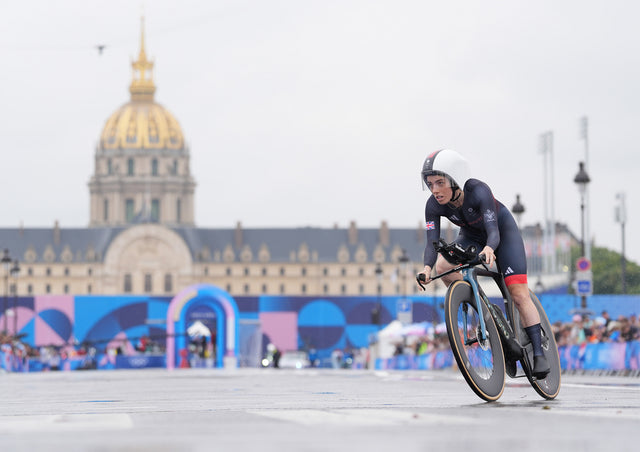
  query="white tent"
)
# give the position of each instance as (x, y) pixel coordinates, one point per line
(198, 329)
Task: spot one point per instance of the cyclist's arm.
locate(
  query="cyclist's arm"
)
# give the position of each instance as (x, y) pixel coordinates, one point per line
(432, 223)
(489, 208)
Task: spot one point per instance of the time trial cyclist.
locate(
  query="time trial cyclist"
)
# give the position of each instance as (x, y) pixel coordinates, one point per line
(485, 223)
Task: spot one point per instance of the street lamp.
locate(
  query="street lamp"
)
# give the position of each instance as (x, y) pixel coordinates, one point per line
(6, 262)
(377, 311)
(582, 180)
(621, 217)
(15, 271)
(518, 209)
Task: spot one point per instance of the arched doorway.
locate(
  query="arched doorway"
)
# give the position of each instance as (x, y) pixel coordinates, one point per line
(208, 302)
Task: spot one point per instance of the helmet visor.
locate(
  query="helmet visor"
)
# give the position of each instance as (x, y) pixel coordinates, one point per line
(435, 179)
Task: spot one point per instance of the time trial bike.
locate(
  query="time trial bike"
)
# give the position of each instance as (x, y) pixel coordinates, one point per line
(486, 343)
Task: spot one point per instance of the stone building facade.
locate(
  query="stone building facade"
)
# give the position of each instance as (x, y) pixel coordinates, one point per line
(142, 237)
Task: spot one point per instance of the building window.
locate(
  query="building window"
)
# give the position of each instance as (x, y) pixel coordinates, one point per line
(47, 288)
(127, 283)
(155, 210)
(175, 167)
(246, 271)
(30, 271)
(154, 167)
(89, 271)
(281, 271)
(281, 289)
(264, 271)
(147, 283)
(168, 283)
(66, 288)
(178, 211)
(304, 271)
(264, 288)
(66, 271)
(361, 271)
(129, 212)
(343, 289)
(229, 288)
(206, 271)
(130, 167)
(109, 167)
(29, 289)
(89, 288)
(228, 271)
(361, 289)
(105, 210)
(303, 288)
(325, 271)
(325, 289)
(343, 271)
(246, 288)
(48, 271)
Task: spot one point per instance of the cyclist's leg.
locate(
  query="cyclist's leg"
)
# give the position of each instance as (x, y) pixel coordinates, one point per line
(512, 261)
(442, 266)
(520, 295)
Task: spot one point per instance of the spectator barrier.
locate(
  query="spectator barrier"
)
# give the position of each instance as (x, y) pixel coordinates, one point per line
(618, 356)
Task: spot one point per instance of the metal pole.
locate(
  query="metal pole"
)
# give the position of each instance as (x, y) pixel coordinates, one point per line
(543, 150)
(584, 123)
(6, 298)
(552, 225)
(379, 307)
(624, 264)
(583, 303)
(621, 217)
(15, 310)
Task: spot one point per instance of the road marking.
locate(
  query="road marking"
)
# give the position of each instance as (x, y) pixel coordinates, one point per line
(65, 423)
(353, 417)
(615, 386)
(613, 413)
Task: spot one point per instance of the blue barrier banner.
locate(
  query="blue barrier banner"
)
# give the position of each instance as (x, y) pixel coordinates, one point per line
(598, 356)
(13, 363)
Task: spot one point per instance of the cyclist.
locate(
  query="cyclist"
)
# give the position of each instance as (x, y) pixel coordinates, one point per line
(485, 223)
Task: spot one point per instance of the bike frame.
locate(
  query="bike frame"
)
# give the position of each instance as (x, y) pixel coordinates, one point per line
(470, 273)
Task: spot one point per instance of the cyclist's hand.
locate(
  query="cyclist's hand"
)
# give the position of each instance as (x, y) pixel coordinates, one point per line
(490, 258)
(424, 277)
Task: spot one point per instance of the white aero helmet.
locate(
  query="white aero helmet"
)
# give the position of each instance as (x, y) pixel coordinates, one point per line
(448, 163)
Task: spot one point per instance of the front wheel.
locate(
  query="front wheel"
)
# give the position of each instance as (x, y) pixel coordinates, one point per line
(481, 362)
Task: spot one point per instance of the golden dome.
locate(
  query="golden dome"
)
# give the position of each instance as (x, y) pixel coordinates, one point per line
(142, 123)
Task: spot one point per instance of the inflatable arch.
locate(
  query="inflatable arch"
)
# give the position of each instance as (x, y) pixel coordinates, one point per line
(226, 312)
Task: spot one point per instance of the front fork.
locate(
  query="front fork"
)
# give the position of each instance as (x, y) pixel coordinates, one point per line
(476, 294)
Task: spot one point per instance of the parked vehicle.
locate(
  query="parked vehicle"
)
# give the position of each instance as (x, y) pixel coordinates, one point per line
(295, 360)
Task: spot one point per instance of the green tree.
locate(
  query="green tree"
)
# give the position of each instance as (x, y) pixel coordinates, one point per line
(606, 266)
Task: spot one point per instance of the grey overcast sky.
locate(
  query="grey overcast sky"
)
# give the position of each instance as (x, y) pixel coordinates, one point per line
(315, 113)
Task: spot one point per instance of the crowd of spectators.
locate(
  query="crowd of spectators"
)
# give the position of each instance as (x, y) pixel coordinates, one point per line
(585, 329)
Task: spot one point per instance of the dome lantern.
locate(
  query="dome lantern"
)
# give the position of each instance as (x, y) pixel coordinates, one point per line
(142, 87)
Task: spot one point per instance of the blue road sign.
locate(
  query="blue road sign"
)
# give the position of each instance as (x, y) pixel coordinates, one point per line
(584, 287)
